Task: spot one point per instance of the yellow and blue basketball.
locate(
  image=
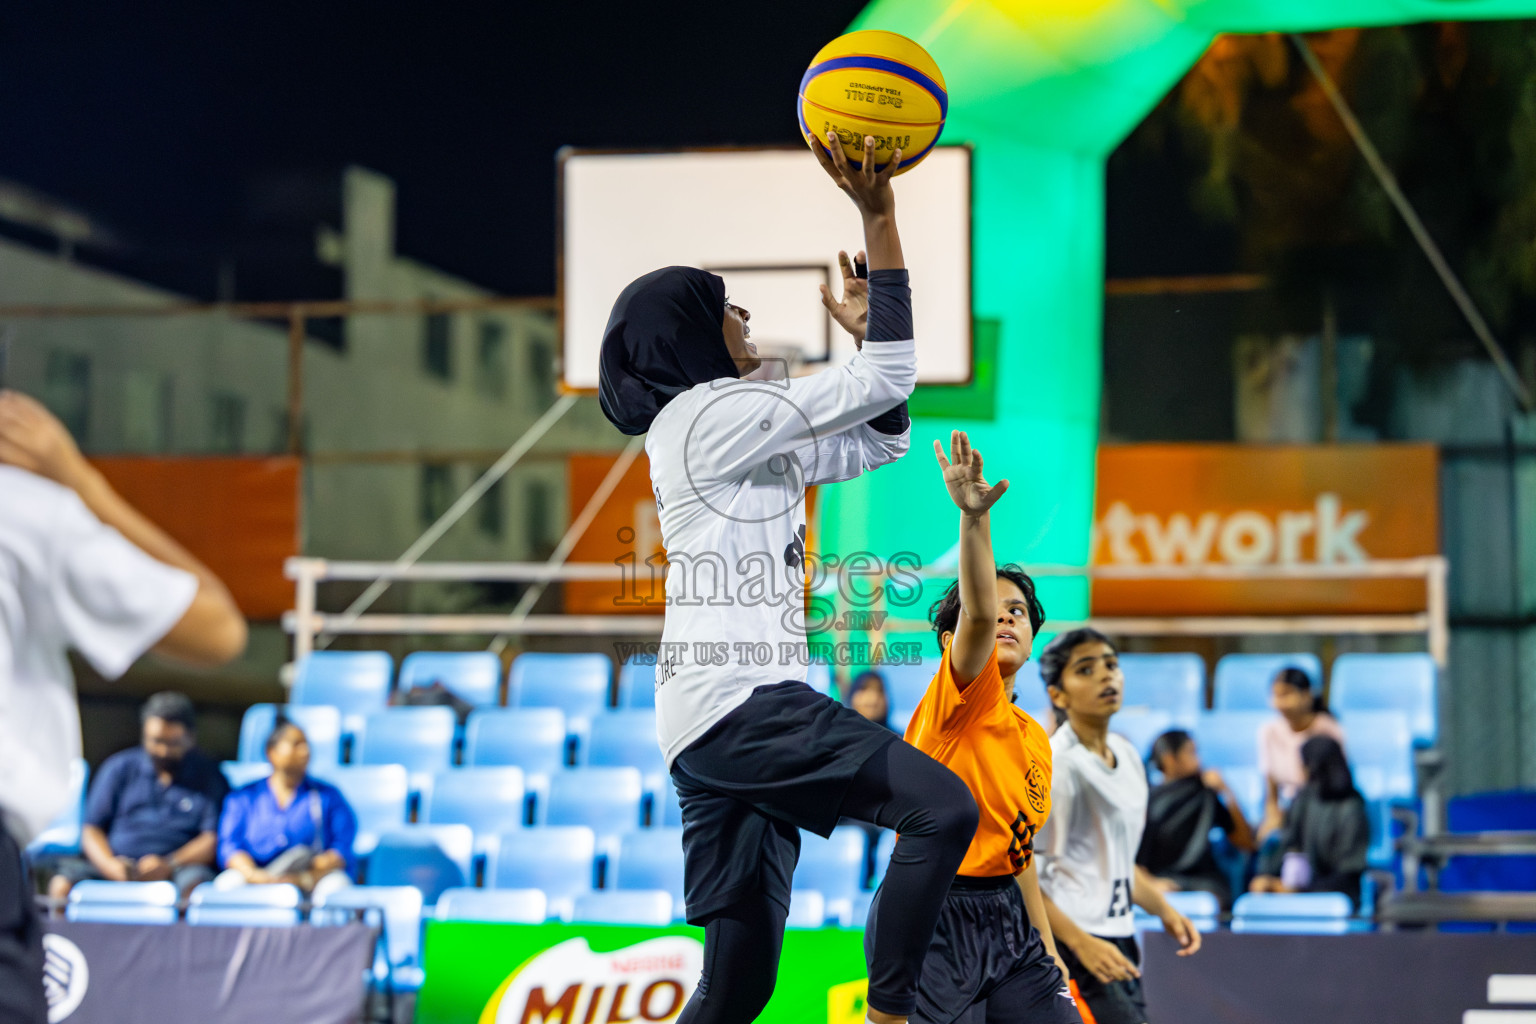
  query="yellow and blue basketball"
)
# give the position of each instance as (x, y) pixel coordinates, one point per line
(879, 84)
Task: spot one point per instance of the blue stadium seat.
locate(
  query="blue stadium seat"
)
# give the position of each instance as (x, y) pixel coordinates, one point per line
(321, 724)
(1248, 786)
(354, 682)
(627, 739)
(1292, 913)
(645, 907)
(668, 811)
(1511, 810)
(123, 902)
(1384, 831)
(637, 682)
(243, 773)
(861, 905)
(533, 739)
(884, 847)
(474, 676)
(430, 857)
(575, 683)
(1202, 909)
(610, 801)
(819, 677)
(379, 794)
(1230, 739)
(394, 908)
(1379, 745)
(419, 738)
(1141, 726)
(489, 800)
(906, 684)
(807, 909)
(497, 906)
(651, 859)
(1243, 681)
(250, 906)
(1388, 682)
(1174, 683)
(62, 836)
(833, 867)
(560, 861)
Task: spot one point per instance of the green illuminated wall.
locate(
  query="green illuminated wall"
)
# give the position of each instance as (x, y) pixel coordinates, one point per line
(1045, 90)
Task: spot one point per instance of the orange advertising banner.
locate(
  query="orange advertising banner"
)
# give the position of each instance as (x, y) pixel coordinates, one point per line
(626, 532)
(1223, 504)
(239, 516)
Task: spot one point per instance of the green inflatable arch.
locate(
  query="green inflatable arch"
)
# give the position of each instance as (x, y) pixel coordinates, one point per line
(1045, 90)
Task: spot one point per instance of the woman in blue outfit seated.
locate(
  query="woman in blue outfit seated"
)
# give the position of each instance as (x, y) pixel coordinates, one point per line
(289, 827)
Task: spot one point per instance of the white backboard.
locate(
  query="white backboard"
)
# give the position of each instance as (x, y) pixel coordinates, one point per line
(771, 223)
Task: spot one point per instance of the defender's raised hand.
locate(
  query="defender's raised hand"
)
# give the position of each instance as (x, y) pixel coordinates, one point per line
(852, 311)
(962, 476)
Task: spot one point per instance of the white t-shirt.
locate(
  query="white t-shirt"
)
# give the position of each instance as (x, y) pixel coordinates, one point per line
(66, 580)
(730, 461)
(1087, 849)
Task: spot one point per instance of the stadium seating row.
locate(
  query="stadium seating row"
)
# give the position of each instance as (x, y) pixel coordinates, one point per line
(358, 683)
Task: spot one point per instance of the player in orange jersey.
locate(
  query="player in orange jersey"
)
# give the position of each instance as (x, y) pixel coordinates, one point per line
(993, 958)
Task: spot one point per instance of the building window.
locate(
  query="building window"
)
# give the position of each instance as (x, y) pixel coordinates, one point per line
(437, 345)
(541, 373)
(491, 366)
(436, 491)
(491, 511)
(67, 391)
(537, 518)
(148, 403)
(226, 427)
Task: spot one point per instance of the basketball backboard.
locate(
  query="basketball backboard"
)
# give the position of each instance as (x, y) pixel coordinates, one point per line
(770, 223)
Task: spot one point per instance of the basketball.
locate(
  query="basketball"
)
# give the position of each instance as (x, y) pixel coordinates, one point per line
(879, 84)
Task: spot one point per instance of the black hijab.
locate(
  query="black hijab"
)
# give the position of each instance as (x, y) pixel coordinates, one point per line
(663, 337)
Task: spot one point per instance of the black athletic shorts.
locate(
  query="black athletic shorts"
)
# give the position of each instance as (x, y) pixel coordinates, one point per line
(780, 762)
(21, 941)
(986, 962)
(1119, 1002)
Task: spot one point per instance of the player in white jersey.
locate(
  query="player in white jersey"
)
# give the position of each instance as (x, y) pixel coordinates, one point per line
(755, 753)
(1087, 850)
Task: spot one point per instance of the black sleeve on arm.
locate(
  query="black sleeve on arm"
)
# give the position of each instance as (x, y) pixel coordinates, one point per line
(890, 319)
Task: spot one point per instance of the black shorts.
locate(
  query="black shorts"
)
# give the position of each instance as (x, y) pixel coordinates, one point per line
(1119, 1002)
(21, 941)
(780, 762)
(986, 962)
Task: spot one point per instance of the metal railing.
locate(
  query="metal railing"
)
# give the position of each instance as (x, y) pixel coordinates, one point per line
(306, 622)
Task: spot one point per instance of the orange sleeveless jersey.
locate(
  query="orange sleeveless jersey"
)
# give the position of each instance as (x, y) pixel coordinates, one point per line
(1002, 754)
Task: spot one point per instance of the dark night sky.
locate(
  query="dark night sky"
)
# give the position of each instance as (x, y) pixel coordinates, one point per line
(170, 122)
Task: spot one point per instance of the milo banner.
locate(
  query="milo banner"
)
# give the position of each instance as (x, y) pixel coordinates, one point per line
(596, 974)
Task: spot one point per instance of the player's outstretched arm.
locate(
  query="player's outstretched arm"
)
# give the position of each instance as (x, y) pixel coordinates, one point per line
(976, 631)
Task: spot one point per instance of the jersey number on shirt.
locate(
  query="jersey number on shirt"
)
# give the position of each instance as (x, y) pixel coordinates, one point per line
(1120, 898)
(1022, 848)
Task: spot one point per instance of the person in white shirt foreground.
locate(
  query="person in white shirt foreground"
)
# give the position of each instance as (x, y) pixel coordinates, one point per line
(79, 568)
(1087, 850)
(755, 753)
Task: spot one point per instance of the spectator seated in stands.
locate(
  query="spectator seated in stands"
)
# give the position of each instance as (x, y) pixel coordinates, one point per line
(1181, 811)
(1327, 831)
(153, 812)
(1303, 715)
(867, 696)
(288, 827)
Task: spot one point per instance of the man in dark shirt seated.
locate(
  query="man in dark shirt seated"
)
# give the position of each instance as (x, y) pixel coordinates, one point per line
(153, 811)
(1181, 811)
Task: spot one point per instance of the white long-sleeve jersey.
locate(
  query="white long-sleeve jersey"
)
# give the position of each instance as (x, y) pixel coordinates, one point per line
(730, 461)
